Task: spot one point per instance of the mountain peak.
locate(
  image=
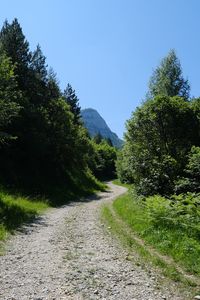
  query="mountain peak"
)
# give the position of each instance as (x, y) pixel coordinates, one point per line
(96, 124)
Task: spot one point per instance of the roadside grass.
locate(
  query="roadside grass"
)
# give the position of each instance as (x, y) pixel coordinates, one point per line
(165, 234)
(16, 208)
(133, 245)
(174, 250)
(143, 257)
(117, 182)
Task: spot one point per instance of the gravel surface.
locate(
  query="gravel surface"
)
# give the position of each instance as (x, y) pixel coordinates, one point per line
(68, 254)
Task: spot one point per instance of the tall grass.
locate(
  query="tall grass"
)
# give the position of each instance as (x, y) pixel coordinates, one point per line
(171, 226)
(17, 209)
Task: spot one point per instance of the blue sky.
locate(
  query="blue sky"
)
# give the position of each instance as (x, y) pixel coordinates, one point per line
(107, 49)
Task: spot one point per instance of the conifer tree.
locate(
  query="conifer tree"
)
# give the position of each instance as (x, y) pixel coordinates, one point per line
(38, 64)
(72, 100)
(16, 47)
(53, 85)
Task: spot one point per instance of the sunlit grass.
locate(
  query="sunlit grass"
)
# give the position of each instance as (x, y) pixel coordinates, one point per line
(17, 209)
(173, 251)
(169, 240)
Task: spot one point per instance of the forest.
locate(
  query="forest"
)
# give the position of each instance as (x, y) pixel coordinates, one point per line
(45, 151)
(42, 139)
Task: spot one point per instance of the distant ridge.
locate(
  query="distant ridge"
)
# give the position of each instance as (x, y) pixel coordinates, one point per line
(96, 124)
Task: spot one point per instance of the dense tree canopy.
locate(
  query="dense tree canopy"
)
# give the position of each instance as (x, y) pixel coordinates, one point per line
(48, 145)
(160, 135)
(103, 165)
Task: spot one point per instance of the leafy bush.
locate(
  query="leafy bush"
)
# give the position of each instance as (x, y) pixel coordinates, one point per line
(123, 165)
(191, 181)
(158, 209)
(103, 164)
(180, 213)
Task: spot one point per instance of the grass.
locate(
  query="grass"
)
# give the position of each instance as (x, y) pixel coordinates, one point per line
(175, 251)
(141, 256)
(17, 209)
(167, 238)
(134, 245)
(117, 182)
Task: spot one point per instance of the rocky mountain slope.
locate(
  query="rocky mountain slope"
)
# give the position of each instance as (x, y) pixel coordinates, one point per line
(96, 124)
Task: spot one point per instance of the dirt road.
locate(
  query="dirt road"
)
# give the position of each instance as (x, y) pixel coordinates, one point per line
(69, 254)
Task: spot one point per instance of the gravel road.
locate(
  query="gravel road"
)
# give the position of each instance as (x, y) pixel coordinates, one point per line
(69, 254)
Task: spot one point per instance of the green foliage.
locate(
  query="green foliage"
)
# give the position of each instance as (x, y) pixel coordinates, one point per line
(190, 182)
(124, 165)
(118, 182)
(167, 79)
(17, 209)
(51, 147)
(38, 65)
(159, 136)
(161, 156)
(53, 90)
(98, 138)
(9, 94)
(71, 99)
(193, 167)
(145, 257)
(169, 225)
(16, 47)
(103, 165)
(109, 142)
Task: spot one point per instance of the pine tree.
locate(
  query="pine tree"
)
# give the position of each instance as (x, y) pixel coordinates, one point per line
(38, 64)
(53, 85)
(71, 98)
(16, 47)
(37, 78)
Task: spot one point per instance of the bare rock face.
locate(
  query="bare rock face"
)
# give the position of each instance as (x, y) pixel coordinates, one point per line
(96, 124)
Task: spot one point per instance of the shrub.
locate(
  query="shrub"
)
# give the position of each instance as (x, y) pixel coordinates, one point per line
(191, 181)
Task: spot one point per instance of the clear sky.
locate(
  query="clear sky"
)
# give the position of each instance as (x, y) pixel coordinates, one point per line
(107, 49)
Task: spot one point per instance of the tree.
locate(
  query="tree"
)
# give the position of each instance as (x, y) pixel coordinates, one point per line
(38, 64)
(191, 179)
(53, 90)
(9, 94)
(124, 164)
(37, 78)
(52, 147)
(167, 79)
(195, 104)
(16, 47)
(159, 135)
(104, 161)
(109, 142)
(73, 101)
(98, 138)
